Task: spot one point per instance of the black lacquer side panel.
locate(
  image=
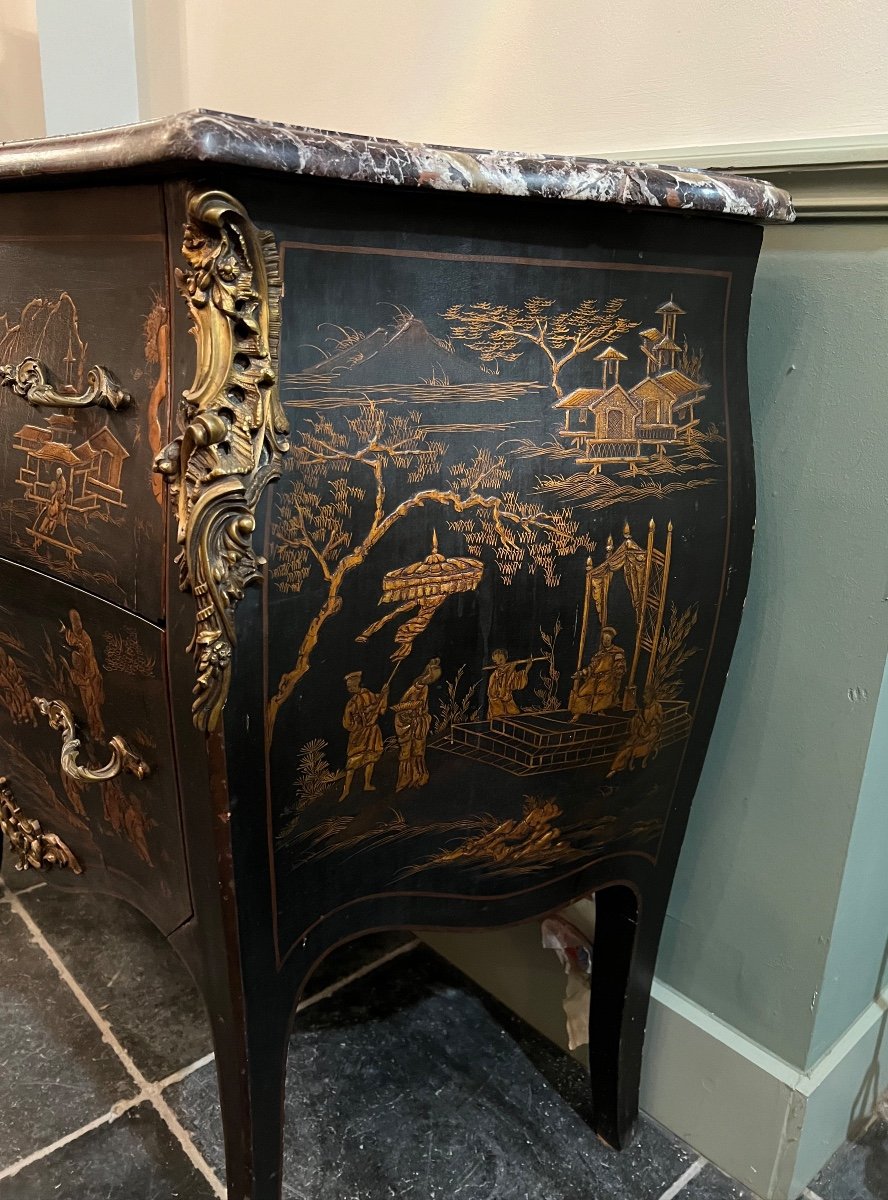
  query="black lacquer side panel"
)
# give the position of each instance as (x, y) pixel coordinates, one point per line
(503, 556)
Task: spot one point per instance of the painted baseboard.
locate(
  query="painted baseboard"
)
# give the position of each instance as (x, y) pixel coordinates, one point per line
(754, 1115)
(746, 156)
(829, 178)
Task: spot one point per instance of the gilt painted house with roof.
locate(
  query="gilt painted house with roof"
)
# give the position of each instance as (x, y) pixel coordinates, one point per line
(613, 423)
(92, 469)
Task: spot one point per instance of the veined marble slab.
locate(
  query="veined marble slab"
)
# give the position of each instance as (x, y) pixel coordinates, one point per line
(201, 136)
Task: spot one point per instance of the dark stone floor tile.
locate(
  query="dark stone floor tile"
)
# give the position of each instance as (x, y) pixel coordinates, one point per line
(135, 1158)
(353, 956)
(16, 881)
(859, 1170)
(711, 1184)
(407, 1083)
(138, 983)
(56, 1073)
(130, 973)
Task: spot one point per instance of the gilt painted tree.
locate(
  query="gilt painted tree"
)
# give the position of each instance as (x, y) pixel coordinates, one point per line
(340, 504)
(501, 333)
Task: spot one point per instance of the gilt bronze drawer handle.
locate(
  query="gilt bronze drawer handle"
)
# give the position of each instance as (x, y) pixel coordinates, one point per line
(122, 758)
(34, 847)
(30, 379)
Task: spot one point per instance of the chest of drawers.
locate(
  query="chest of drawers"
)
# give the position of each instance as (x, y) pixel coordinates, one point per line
(375, 528)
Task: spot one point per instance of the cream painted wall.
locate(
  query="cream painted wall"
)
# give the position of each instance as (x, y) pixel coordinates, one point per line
(21, 90)
(90, 71)
(575, 76)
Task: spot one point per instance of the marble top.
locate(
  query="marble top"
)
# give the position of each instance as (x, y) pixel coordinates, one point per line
(201, 136)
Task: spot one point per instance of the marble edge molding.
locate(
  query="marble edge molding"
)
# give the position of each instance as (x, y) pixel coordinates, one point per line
(202, 136)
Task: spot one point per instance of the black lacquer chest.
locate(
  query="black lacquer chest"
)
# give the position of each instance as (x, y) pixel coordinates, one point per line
(376, 522)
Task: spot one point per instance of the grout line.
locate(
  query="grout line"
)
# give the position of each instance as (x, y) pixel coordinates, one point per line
(326, 992)
(184, 1072)
(148, 1091)
(185, 1140)
(107, 1118)
(683, 1180)
(21, 891)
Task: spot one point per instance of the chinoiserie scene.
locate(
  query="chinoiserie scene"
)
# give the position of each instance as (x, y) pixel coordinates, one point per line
(442, 742)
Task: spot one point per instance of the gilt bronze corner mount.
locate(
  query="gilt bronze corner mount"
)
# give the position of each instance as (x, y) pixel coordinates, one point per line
(234, 429)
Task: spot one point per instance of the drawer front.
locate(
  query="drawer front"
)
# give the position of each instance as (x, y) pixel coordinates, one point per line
(83, 285)
(58, 644)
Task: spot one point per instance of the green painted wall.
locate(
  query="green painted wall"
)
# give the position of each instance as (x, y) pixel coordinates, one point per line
(857, 963)
(759, 883)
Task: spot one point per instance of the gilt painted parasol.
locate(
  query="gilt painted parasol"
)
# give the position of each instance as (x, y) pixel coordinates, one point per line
(425, 586)
(435, 576)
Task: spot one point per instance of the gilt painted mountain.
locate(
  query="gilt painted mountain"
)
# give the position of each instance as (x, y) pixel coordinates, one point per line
(401, 361)
(403, 352)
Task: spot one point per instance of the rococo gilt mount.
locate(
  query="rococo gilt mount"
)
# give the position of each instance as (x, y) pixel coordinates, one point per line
(372, 554)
